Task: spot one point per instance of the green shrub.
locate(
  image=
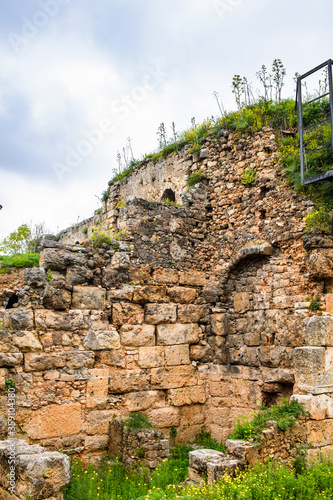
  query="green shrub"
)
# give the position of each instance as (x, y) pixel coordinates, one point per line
(105, 196)
(205, 440)
(99, 237)
(319, 219)
(249, 176)
(10, 384)
(195, 178)
(284, 414)
(315, 303)
(49, 275)
(138, 421)
(18, 261)
(85, 230)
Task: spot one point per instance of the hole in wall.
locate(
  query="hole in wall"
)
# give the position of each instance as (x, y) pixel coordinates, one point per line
(13, 299)
(273, 393)
(168, 195)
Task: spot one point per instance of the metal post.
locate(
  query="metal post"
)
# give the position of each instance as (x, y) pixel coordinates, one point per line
(300, 125)
(330, 89)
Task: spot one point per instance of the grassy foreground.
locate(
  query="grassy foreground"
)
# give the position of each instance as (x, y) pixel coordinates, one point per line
(19, 260)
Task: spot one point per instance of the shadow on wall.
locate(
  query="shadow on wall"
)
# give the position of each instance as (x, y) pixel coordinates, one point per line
(168, 195)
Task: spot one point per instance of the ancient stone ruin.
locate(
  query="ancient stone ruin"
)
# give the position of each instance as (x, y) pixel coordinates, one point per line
(196, 315)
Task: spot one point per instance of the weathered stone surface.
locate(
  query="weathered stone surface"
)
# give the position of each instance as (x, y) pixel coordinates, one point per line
(182, 295)
(276, 356)
(78, 275)
(177, 355)
(97, 388)
(319, 331)
(165, 417)
(201, 353)
(329, 303)
(166, 276)
(97, 422)
(192, 278)
(19, 319)
(187, 396)
(35, 277)
(177, 334)
(58, 260)
(123, 293)
(124, 313)
(241, 302)
(150, 293)
(57, 299)
(321, 263)
(320, 432)
(26, 341)
(190, 313)
(102, 340)
(9, 360)
(220, 323)
(173, 377)
(211, 465)
(96, 443)
(313, 370)
(70, 320)
(137, 335)
(131, 381)
(151, 357)
(88, 297)
(55, 420)
(247, 356)
(40, 474)
(120, 261)
(49, 361)
(140, 401)
(158, 313)
(111, 358)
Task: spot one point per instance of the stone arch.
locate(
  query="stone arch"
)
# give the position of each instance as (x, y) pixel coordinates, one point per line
(168, 194)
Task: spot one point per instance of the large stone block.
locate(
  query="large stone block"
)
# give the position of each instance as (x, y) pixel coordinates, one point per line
(182, 295)
(177, 334)
(177, 355)
(49, 361)
(26, 341)
(156, 314)
(247, 356)
(187, 396)
(58, 260)
(320, 432)
(190, 313)
(123, 293)
(111, 358)
(192, 415)
(241, 302)
(141, 401)
(58, 299)
(131, 381)
(220, 323)
(321, 263)
(276, 356)
(19, 319)
(164, 417)
(193, 278)
(124, 313)
(68, 321)
(314, 367)
(166, 276)
(151, 357)
(150, 293)
(173, 377)
(102, 340)
(97, 422)
(137, 335)
(10, 359)
(35, 277)
(78, 275)
(88, 297)
(97, 388)
(319, 331)
(55, 421)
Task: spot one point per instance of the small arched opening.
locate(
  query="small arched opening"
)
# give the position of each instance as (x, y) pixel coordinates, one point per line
(169, 195)
(13, 299)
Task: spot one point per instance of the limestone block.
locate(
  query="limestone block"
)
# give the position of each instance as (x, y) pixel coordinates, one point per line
(201, 353)
(26, 341)
(58, 260)
(320, 432)
(124, 313)
(158, 313)
(40, 474)
(220, 323)
(48, 361)
(151, 357)
(187, 396)
(164, 417)
(182, 295)
(34, 277)
(173, 377)
(257, 321)
(97, 422)
(123, 293)
(319, 331)
(319, 407)
(329, 303)
(313, 367)
(150, 293)
(166, 276)
(102, 340)
(120, 261)
(96, 443)
(252, 339)
(177, 355)
(97, 388)
(238, 448)
(8, 360)
(192, 415)
(58, 299)
(88, 297)
(190, 313)
(247, 356)
(193, 278)
(241, 302)
(78, 275)
(226, 466)
(321, 263)
(137, 335)
(68, 321)
(54, 421)
(19, 319)
(131, 381)
(177, 334)
(111, 358)
(141, 401)
(210, 465)
(276, 356)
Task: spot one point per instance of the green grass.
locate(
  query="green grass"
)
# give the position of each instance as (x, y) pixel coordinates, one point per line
(138, 421)
(286, 414)
(18, 261)
(195, 178)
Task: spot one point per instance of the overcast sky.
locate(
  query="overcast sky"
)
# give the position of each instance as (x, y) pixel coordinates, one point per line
(78, 77)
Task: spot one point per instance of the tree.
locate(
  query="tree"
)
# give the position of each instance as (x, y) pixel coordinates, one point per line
(17, 242)
(279, 72)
